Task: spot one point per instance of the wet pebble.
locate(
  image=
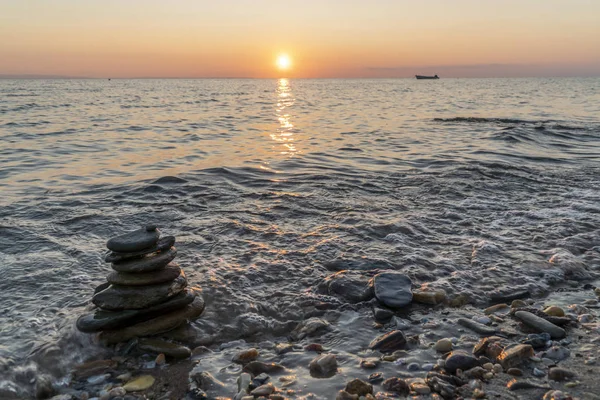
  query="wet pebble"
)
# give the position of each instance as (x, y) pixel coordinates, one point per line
(538, 373)
(515, 372)
(389, 342)
(396, 385)
(460, 360)
(540, 324)
(560, 374)
(359, 387)
(557, 353)
(413, 367)
(324, 366)
(375, 377)
(263, 390)
(515, 355)
(245, 356)
(443, 345)
(555, 311)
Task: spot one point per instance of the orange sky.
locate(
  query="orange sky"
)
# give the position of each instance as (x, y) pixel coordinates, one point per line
(324, 38)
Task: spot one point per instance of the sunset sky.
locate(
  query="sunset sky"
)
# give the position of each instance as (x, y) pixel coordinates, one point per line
(323, 38)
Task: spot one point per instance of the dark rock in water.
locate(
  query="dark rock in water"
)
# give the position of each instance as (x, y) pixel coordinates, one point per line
(396, 385)
(540, 324)
(101, 287)
(359, 387)
(136, 297)
(134, 241)
(163, 323)
(103, 320)
(391, 341)
(148, 263)
(460, 360)
(163, 244)
(259, 367)
(382, 314)
(323, 366)
(167, 274)
(43, 387)
(167, 348)
(506, 296)
(477, 327)
(350, 285)
(393, 289)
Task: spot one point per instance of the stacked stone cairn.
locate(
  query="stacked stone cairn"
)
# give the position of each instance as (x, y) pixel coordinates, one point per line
(146, 294)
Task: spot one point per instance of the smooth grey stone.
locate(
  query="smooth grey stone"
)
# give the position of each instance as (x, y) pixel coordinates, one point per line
(136, 297)
(540, 324)
(162, 346)
(160, 324)
(163, 243)
(167, 274)
(134, 241)
(101, 287)
(477, 327)
(393, 289)
(148, 263)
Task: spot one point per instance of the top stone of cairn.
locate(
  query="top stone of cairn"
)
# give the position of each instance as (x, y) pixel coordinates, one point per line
(134, 241)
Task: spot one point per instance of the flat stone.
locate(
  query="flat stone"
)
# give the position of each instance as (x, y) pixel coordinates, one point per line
(92, 368)
(162, 346)
(477, 327)
(104, 320)
(167, 274)
(460, 360)
(507, 296)
(560, 374)
(396, 385)
(259, 367)
(540, 324)
(393, 289)
(263, 390)
(134, 241)
(157, 325)
(139, 383)
(443, 345)
(515, 355)
(389, 342)
(152, 262)
(118, 298)
(163, 243)
(431, 297)
(323, 366)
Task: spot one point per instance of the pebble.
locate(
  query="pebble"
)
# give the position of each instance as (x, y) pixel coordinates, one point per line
(245, 356)
(97, 379)
(515, 372)
(117, 391)
(413, 367)
(495, 308)
(139, 383)
(420, 387)
(518, 304)
(537, 340)
(555, 311)
(482, 320)
(431, 297)
(556, 395)
(324, 366)
(460, 360)
(343, 395)
(369, 363)
(443, 345)
(427, 367)
(585, 318)
(162, 346)
(557, 353)
(560, 374)
(263, 390)
(375, 377)
(389, 342)
(476, 327)
(524, 384)
(382, 314)
(134, 241)
(149, 263)
(160, 359)
(513, 356)
(488, 366)
(497, 368)
(396, 385)
(359, 387)
(538, 373)
(540, 324)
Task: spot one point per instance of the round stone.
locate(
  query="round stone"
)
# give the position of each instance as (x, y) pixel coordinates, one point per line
(134, 241)
(167, 274)
(148, 263)
(460, 360)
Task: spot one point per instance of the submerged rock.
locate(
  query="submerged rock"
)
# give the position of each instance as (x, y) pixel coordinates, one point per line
(167, 274)
(393, 289)
(245, 356)
(323, 366)
(156, 325)
(396, 385)
(147, 263)
(162, 346)
(259, 367)
(359, 387)
(139, 383)
(134, 241)
(389, 342)
(352, 286)
(138, 297)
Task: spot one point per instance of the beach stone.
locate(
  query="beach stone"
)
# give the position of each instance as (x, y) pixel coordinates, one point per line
(134, 241)
(167, 274)
(352, 286)
(515, 355)
(495, 308)
(243, 382)
(431, 297)
(164, 243)
(555, 311)
(506, 296)
(460, 360)
(91, 368)
(359, 387)
(156, 325)
(162, 346)
(382, 314)
(343, 395)
(259, 367)
(443, 345)
(389, 342)
(263, 390)
(43, 387)
(245, 356)
(103, 320)
(537, 340)
(147, 263)
(477, 327)
(393, 289)
(515, 372)
(540, 324)
(556, 395)
(560, 374)
(139, 383)
(396, 385)
(117, 298)
(323, 366)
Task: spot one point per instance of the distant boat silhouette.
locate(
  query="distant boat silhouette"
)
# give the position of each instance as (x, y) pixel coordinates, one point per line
(427, 77)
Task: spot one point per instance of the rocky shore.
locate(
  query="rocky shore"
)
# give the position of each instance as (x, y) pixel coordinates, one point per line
(422, 345)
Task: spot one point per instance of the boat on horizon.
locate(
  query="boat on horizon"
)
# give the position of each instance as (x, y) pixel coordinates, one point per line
(427, 77)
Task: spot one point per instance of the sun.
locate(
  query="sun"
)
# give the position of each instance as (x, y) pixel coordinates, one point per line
(284, 62)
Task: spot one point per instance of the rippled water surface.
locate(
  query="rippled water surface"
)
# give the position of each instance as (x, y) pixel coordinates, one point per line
(272, 185)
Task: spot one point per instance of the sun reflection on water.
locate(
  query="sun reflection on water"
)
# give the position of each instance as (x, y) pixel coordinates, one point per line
(284, 134)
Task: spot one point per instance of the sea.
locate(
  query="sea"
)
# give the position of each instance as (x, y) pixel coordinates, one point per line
(270, 186)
